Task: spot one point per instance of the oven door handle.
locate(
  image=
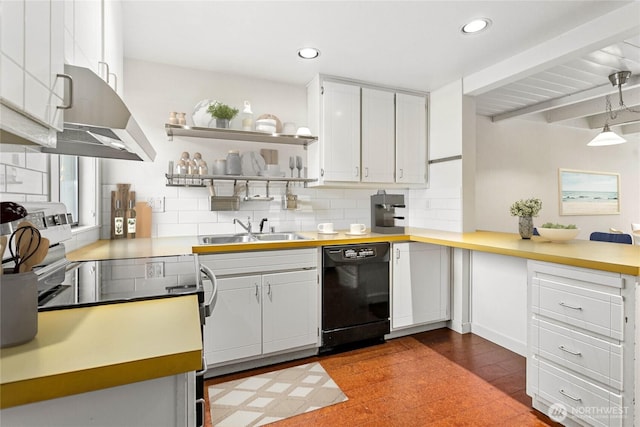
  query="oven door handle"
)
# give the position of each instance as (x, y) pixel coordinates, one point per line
(208, 308)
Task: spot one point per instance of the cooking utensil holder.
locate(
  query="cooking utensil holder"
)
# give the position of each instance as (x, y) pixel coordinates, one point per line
(18, 309)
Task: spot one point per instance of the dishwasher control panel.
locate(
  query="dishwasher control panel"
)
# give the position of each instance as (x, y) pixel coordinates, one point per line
(358, 253)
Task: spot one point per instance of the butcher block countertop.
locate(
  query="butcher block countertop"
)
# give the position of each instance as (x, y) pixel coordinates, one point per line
(85, 349)
(614, 257)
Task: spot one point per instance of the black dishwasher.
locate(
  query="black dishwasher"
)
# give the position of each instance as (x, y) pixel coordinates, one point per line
(355, 294)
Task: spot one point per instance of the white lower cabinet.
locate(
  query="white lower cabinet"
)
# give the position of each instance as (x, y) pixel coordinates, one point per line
(267, 304)
(580, 364)
(420, 284)
(166, 401)
(234, 329)
(289, 310)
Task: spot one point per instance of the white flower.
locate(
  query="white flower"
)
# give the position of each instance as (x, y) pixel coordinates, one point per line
(529, 207)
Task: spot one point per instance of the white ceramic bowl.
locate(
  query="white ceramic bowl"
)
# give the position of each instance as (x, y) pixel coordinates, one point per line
(266, 128)
(558, 234)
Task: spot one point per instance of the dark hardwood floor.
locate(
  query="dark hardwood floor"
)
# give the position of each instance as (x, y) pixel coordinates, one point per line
(435, 378)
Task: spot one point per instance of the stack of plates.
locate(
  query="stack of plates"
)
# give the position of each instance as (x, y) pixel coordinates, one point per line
(266, 125)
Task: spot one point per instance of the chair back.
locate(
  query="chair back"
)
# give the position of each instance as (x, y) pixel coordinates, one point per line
(611, 237)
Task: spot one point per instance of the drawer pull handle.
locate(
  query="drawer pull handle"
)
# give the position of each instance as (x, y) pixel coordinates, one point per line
(575, 353)
(572, 307)
(564, 393)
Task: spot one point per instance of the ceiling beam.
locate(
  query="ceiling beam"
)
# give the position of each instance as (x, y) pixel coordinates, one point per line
(630, 128)
(593, 106)
(612, 27)
(585, 95)
(622, 117)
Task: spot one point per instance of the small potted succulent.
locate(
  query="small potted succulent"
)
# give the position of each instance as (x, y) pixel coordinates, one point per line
(223, 113)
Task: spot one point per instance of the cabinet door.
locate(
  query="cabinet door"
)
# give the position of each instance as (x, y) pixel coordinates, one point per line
(233, 331)
(378, 135)
(340, 158)
(113, 44)
(290, 310)
(411, 139)
(12, 53)
(420, 287)
(37, 17)
(56, 86)
(87, 34)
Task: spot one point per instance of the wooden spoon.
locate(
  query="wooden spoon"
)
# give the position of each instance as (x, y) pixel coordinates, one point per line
(40, 253)
(27, 239)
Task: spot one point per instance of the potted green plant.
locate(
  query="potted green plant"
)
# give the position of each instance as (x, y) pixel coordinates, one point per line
(223, 113)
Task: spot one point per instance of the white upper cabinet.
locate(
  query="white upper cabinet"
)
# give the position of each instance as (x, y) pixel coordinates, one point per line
(86, 34)
(378, 139)
(340, 132)
(31, 58)
(113, 45)
(411, 139)
(366, 134)
(12, 53)
(93, 38)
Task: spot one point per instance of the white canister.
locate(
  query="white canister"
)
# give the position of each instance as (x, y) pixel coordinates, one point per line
(234, 166)
(219, 167)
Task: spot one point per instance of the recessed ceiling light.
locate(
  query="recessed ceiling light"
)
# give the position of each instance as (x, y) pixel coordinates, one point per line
(308, 53)
(476, 25)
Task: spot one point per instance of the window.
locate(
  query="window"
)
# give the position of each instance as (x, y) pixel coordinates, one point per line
(69, 186)
(74, 182)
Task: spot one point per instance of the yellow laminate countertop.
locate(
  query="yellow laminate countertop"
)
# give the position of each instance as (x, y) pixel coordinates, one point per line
(85, 349)
(604, 256)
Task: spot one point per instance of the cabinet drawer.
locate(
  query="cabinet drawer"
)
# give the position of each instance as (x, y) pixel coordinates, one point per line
(592, 310)
(583, 399)
(593, 357)
(260, 261)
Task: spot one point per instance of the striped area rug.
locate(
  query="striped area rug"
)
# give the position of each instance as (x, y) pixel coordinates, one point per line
(273, 396)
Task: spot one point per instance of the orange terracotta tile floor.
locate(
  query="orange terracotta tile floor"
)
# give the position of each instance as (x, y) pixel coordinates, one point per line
(435, 378)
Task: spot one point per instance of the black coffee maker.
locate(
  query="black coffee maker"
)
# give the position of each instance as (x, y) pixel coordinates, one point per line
(383, 212)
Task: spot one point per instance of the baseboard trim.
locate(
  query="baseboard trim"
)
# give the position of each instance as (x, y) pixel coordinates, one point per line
(500, 339)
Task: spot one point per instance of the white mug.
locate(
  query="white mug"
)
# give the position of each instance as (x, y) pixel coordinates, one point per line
(357, 228)
(325, 227)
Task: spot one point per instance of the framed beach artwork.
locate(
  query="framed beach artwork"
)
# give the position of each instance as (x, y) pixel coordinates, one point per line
(588, 193)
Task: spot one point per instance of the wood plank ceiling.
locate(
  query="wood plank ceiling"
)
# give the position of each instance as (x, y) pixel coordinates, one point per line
(573, 93)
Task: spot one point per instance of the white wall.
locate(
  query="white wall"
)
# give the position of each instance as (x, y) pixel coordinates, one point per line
(153, 90)
(447, 203)
(519, 159)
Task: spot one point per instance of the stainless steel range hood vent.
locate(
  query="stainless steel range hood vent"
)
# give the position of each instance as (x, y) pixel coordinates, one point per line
(99, 124)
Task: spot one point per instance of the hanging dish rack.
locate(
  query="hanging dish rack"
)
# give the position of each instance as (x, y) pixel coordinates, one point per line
(232, 203)
(186, 180)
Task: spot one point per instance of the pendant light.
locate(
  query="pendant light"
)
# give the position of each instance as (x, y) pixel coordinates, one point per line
(607, 136)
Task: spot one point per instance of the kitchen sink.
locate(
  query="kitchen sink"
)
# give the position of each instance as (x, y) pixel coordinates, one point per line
(278, 236)
(245, 238)
(224, 238)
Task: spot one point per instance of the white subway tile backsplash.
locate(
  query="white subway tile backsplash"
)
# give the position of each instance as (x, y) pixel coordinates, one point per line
(37, 161)
(165, 217)
(20, 180)
(15, 157)
(174, 229)
(194, 217)
(343, 204)
(180, 204)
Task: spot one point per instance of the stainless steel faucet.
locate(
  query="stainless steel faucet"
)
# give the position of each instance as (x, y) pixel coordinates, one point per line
(246, 227)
